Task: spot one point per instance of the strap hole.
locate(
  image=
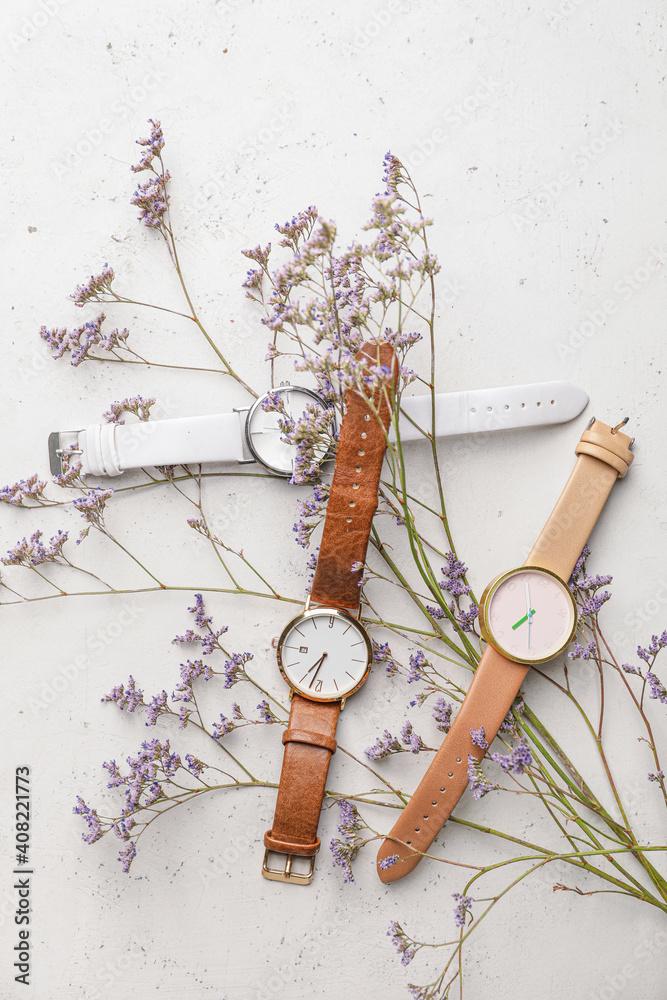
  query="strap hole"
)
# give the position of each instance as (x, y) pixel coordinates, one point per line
(353, 503)
(408, 841)
(367, 416)
(355, 486)
(416, 829)
(349, 520)
(451, 774)
(358, 468)
(458, 760)
(473, 410)
(434, 803)
(425, 815)
(489, 408)
(363, 434)
(361, 452)
(442, 789)
(507, 406)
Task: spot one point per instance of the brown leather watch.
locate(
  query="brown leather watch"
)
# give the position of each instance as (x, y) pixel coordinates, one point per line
(324, 653)
(527, 615)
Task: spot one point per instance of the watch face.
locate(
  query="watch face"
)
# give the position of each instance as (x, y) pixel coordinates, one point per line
(528, 615)
(263, 433)
(324, 654)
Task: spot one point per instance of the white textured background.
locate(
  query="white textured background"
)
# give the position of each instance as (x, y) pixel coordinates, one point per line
(536, 131)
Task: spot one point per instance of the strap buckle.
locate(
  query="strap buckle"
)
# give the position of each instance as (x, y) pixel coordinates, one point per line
(62, 443)
(285, 874)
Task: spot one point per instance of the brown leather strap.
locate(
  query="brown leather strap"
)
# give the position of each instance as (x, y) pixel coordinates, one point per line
(353, 498)
(309, 745)
(604, 456)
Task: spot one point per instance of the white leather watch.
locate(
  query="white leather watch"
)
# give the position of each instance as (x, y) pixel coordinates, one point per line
(251, 434)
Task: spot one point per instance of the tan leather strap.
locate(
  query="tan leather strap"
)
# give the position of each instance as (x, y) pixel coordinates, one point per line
(604, 456)
(492, 690)
(354, 490)
(309, 745)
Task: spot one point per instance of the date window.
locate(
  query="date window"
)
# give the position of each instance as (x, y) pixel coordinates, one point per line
(303, 649)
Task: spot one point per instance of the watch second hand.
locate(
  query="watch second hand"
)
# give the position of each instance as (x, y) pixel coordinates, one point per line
(528, 610)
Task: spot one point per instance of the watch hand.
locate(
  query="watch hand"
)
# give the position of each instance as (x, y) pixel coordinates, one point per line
(318, 665)
(524, 619)
(528, 610)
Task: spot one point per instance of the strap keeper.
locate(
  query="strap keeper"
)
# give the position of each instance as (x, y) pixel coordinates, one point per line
(315, 739)
(609, 446)
(290, 847)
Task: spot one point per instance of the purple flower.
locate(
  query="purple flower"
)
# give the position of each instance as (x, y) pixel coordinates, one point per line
(659, 776)
(657, 688)
(91, 506)
(463, 906)
(222, 727)
(382, 654)
(442, 713)
(383, 747)
(126, 696)
(81, 339)
(628, 668)
(127, 855)
(411, 739)
(388, 862)
(153, 200)
(26, 489)
(478, 737)
(202, 620)
(234, 668)
(133, 404)
(404, 945)
(94, 822)
(657, 643)
(346, 849)
(517, 760)
(418, 665)
(156, 706)
(194, 765)
(587, 652)
(266, 716)
(153, 147)
(478, 781)
(96, 286)
(34, 553)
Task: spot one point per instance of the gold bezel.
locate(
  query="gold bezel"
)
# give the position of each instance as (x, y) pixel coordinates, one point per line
(314, 613)
(485, 628)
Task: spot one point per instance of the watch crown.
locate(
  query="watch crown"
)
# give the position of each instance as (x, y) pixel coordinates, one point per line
(274, 642)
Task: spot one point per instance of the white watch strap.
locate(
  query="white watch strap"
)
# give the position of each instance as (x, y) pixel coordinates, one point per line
(109, 449)
(478, 410)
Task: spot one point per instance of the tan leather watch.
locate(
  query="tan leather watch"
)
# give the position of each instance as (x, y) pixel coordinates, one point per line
(325, 653)
(527, 615)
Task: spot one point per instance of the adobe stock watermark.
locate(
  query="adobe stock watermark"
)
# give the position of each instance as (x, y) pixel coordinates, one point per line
(105, 636)
(253, 146)
(368, 32)
(459, 114)
(546, 196)
(564, 11)
(645, 951)
(44, 13)
(121, 109)
(622, 292)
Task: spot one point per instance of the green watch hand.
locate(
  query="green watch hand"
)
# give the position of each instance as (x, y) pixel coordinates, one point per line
(524, 619)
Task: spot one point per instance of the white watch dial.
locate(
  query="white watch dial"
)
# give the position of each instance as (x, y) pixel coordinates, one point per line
(263, 433)
(529, 615)
(324, 654)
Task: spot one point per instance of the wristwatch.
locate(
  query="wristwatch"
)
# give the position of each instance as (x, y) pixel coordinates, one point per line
(527, 616)
(252, 434)
(325, 653)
